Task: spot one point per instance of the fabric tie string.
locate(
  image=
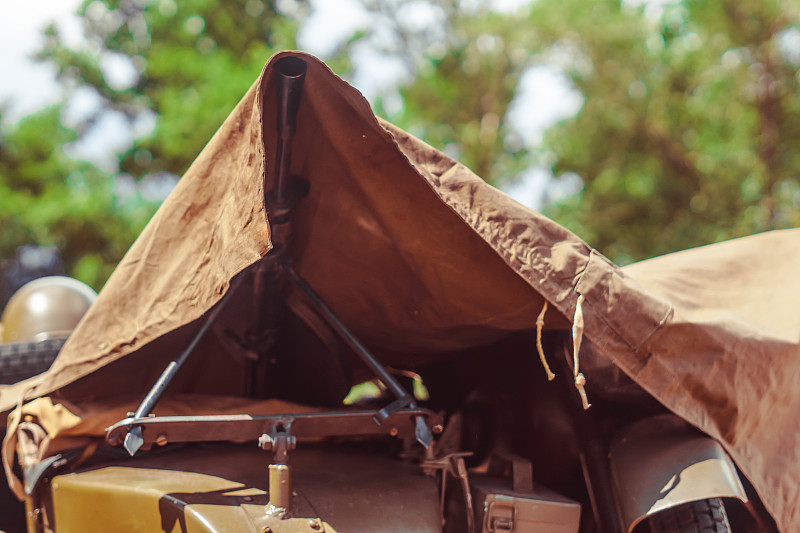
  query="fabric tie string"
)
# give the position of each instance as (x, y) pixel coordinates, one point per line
(539, 327)
(577, 337)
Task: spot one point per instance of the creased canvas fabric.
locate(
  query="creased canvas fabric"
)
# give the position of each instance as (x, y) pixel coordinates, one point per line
(421, 258)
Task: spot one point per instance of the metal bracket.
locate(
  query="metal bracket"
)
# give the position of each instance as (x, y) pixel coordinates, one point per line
(500, 516)
(521, 470)
(395, 406)
(453, 464)
(241, 428)
(280, 441)
(36, 473)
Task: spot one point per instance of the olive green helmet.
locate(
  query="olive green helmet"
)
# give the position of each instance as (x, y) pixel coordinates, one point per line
(45, 308)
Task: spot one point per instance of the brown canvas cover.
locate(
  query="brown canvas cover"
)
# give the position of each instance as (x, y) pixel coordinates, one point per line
(421, 258)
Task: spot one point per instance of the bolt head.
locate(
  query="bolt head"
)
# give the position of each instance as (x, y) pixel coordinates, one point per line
(265, 442)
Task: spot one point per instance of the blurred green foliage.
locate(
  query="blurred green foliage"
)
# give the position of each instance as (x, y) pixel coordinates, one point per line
(686, 135)
(188, 64)
(690, 122)
(463, 83)
(48, 199)
(192, 61)
(689, 125)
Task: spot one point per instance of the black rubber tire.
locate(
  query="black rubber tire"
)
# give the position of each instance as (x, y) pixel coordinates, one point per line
(704, 516)
(22, 360)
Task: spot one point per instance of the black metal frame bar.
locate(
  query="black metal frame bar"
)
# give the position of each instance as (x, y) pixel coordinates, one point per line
(160, 430)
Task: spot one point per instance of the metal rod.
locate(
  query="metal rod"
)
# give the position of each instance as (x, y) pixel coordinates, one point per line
(267, 315)
(244, 427)
(134, 438)
(290, 73)
(152, 398)
(350, 339)
(289, 78)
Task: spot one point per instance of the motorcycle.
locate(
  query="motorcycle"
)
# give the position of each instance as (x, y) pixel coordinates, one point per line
(330, 326)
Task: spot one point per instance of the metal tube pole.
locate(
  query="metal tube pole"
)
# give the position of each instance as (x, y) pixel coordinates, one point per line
(133, 440)
(350, 339)
(290, 73)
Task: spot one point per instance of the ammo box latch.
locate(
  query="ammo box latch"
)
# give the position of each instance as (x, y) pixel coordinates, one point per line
(500, 515)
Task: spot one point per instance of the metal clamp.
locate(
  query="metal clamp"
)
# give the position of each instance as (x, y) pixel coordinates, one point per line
(500, 516)
(279, 441)
(453, 464)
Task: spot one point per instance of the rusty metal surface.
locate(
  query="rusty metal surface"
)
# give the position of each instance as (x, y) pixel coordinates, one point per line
(661, 462)
(241, 428)
(221, 488)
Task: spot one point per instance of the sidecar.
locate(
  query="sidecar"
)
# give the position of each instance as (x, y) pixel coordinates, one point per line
(331, 326)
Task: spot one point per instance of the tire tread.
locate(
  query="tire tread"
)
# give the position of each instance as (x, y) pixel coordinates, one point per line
(21, 360)
(703, 516)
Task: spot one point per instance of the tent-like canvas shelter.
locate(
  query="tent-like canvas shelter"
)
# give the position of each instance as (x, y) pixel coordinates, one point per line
(421, 259)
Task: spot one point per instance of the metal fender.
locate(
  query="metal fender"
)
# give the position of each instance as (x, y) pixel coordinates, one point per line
(220, 488)
(662, 462)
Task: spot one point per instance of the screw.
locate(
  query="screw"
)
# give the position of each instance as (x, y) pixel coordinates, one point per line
(393, 432)
(161, 439)
(313, 524)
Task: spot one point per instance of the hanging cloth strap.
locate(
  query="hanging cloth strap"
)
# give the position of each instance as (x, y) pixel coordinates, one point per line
(577, 337)
(539, 327)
